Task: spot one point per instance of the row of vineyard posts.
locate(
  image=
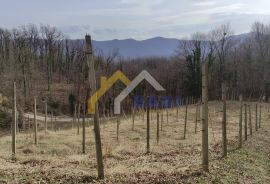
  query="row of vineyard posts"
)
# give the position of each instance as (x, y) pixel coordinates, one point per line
(201, 115)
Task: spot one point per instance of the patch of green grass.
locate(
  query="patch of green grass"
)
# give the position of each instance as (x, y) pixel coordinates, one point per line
(241, 166)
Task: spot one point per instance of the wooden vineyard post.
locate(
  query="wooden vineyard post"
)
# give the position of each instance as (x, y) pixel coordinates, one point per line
(133, 118)
(35, 119)
(177, 113)
(256, 117)
(224, 121)
(245, 121)
(74, 116)
(17, 123)
(205, 152)
(46, 112)
(78, 121)
(88, 121)
(151, 112)
(83, 130)
(143, 112)
(124, 114)
(29, 126)
(185, 126)
(260, 116)
(240, 122)
(196, 117)
(199, 111)
(167, 115)
(51, 121)
(161, 123)
(250, 122)
(157, 126)
(182, 101)
(148, 129)
(92, 88)
(55, 127)
(117, 128)
(14, 115)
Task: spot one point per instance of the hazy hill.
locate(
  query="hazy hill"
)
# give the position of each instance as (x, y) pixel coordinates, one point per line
(157, 46)
(133, 48)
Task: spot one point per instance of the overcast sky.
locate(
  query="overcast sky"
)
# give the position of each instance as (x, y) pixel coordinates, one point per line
(138, 19)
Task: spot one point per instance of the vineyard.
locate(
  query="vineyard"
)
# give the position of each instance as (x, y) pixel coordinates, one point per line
(132, 109)
(58, 156)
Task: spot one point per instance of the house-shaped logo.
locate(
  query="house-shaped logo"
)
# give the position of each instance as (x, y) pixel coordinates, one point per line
(131, 85)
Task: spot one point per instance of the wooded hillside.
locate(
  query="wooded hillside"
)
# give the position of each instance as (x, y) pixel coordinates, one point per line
(45, 63)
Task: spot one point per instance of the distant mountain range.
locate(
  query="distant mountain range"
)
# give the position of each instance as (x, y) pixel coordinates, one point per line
(158, 46)
(130, 48)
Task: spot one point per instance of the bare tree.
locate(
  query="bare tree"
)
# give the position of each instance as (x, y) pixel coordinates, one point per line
(222, 40)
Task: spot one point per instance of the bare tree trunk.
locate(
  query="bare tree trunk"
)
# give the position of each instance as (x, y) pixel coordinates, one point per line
(35, 119)
(48, 75)
(205, 156)
(92, 87)
(240, 122)
(14, 115)
(224, 121)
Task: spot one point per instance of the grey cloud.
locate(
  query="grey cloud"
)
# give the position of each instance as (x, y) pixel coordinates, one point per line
(138, 19)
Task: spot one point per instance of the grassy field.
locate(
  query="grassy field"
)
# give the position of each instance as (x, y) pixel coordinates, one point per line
(58, 156)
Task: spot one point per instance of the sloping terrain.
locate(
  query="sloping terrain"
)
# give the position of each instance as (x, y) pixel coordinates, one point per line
(58, 157)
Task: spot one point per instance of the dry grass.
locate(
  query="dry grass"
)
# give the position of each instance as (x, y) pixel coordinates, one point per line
(58, 156)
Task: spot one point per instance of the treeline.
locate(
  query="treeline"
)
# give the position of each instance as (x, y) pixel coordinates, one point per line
(45, 63)
(242, 61)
